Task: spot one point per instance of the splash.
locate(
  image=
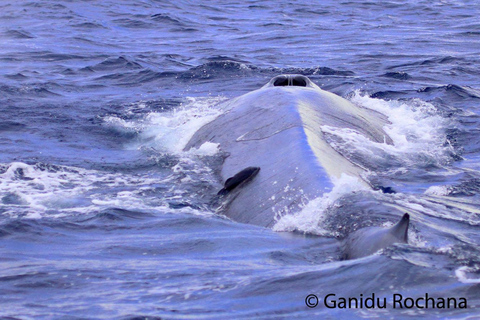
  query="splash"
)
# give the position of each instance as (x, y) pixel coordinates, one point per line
(415, 126)
(169, 132)
(310, 218)
(463, 275)
(35, 191)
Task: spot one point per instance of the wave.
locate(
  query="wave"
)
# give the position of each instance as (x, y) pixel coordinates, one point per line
(431, 61)
(19, 34)
(416, 127)
(168, 130)
(32, 91)
(220, 66)
(460, 91)
(217, 68)
(398, 75)
(114, 64)
(46, 190)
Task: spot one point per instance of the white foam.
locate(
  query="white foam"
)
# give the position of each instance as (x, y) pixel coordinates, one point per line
(121, 125)
(58, 191)
(309, 219)
(206, 149)
(169, 132)
(438, 190)
(461, 274)
(416, 128)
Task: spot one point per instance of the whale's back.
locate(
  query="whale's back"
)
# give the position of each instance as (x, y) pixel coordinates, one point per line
(279, 130)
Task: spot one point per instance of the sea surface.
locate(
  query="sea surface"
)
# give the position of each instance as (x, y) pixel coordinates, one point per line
(104, 216)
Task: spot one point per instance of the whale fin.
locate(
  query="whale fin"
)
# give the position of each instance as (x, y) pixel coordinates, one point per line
(239, 178)
(400, 230)
(367, 241)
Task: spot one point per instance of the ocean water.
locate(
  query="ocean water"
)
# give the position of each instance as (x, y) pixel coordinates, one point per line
(104, 216)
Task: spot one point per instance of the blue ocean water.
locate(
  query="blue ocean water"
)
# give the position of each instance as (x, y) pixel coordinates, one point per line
(103, 215)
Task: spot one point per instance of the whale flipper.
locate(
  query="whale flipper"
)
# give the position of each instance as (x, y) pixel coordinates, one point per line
(367, 241)
(243, 176)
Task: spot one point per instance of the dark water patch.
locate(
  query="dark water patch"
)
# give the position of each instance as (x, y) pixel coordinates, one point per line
(432, 61)
(88, 26)
(390, 95)
(68, 72)
(146, 76)
(322, 71)
(221, 58)
(51, 56)
(114, 64)
(29, 91)
(445, 97)
(13, 198)
(166, 19)
(215, 69)
(11, 126)
(47, 5)
(92, 42)
(44, 280)
(184, 30)
(141, 317)
(17, 76)
(469, 34)
(272, 24)
(136, 78)
(133, 23)
(466, 70)
(470, 186)
(3, 232)
(179, 60)
(22, 226)
(18, 34)
(398, 75)
(459, 91)
(118, 214)
(312, 12)
(258, 6)
(220, 67)
(467, 139)
(22, 276)
(184, 204)
(464, 91)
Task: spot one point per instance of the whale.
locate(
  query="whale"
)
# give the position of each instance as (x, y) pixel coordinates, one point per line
(276, 153)
(367, 241)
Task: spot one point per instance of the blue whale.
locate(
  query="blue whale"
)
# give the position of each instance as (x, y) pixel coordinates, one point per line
(275, 132)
